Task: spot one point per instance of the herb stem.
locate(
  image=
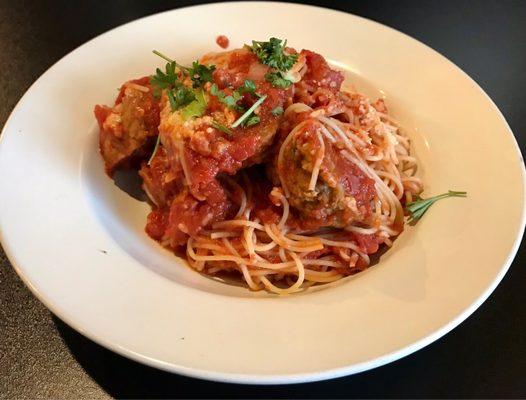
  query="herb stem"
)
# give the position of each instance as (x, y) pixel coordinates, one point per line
(222, 128)
(249, 111)
(155, 149)
(419, 207)
(158, 53)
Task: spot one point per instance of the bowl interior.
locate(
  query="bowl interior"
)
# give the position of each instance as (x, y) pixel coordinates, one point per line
(121, 207)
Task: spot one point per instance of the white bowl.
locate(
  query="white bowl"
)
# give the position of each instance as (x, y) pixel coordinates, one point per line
(78, 242)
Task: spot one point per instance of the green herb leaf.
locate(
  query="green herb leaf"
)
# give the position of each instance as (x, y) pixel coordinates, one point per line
(420, 206)
(200, 73)
(172, 80)
(278, 80)
(230, 100)
(272, 53)
(249, 112)
(248, 87)
(252, 120)
(172, 101)
(197, 107)
(180, 97)
(221, 127)
(164, 80)
(277, 111)
(248, 118)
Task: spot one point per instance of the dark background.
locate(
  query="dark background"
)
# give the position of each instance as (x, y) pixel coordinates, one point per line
(40, 356)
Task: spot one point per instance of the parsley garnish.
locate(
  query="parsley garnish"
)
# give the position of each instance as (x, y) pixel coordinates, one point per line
(271, 53)
(248, 87)
(228, 100)
(180, 97)
(200, 73)
(251, 120)
(277, 111)
(178, 94)
(197, 107)
(419, 207)
(164, 80)
(278, 80)
(221, 127)
(232, 99)
(246, 117)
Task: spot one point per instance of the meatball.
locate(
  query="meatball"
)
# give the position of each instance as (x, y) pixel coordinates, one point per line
(339, 194)
(199, 150)
(159, 180)
(128, 129)
(204, 150)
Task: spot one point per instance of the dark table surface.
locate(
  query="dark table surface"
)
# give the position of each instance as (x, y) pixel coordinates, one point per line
(40, 356)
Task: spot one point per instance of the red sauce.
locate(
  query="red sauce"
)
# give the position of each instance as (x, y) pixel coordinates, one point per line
(188, 216)
(101, 113)
(161, 181)
(222, 41)
(156, 224)
(369, 244)
(319, 73)
(355, 183)
(263, 207)
(144, 81)
(350, 177)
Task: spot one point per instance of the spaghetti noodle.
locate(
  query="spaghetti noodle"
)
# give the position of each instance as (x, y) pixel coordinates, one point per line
(267, 255)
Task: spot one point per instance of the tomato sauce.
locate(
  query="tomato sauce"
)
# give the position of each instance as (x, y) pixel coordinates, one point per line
(355, 182)
(188, 216)
(319, 73)
(156, 224)
(222, 41)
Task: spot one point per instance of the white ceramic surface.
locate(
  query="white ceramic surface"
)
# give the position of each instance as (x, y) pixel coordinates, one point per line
(77, 240)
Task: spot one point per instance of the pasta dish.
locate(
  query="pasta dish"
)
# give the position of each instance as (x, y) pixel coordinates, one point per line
(258, 164)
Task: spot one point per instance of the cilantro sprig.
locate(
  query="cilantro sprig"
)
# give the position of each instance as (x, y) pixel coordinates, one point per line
(249, 118)
(179, 95)
(228, 100)
(197, 106)
(248, 87)
(420, 206)
(278, 79)
(164, 80)
(272, 53)
(193, 102)
(200, 74)
(231, 100)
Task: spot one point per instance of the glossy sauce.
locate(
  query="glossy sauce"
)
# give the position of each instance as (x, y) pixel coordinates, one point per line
(222, 41)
